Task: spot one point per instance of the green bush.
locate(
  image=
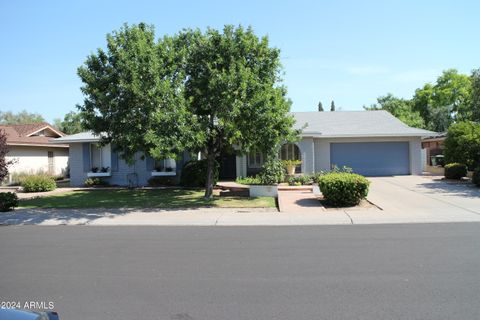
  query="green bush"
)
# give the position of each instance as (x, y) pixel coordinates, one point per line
(95, 182)
(462, 144)
(273, 172)
(476, 177)
(38, 183)
(343, 189)
(300, 180)
(8, 201)
(248, 180)
(455, 171)
(194, 173)
(162, 181)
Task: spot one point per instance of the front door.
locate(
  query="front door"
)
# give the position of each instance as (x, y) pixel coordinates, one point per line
(228, 166)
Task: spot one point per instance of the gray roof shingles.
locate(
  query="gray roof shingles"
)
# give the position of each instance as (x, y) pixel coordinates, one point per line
(378, 123)
(354, 123)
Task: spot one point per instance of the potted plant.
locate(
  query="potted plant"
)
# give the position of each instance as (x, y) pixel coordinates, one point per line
(290, 165)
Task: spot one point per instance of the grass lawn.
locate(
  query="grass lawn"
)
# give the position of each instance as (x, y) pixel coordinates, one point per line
(158, 198)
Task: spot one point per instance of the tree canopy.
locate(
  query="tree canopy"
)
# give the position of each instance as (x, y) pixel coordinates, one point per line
(201, 91)
(400, 108)
(22, 117)
(454, 97)
(71, 123)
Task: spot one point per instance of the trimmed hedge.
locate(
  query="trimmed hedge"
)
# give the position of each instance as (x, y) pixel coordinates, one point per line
(455, 171)
(343, 189)
(476, 177)
(273, 172)
(194, 173)
(8, 201)
(38, 183)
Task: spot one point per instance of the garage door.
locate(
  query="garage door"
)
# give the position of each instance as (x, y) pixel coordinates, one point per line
(372, 158)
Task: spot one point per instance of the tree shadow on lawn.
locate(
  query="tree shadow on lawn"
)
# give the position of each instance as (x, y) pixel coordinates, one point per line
(82, 207)
(451, 188)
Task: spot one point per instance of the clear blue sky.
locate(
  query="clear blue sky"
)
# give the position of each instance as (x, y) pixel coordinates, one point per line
(347, 51)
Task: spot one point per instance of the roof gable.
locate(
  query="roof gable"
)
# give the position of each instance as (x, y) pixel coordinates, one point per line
(34, 134)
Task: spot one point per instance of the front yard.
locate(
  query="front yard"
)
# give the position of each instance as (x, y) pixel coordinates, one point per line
(143, 198)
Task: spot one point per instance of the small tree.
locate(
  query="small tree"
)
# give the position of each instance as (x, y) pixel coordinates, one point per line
(4, 164)
(462, 144)
(320, 106)
(332, 106)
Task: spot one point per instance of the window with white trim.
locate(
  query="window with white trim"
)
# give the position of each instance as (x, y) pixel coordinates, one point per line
(100, 158)
(165, 165)
(255, 159)
(289, 151)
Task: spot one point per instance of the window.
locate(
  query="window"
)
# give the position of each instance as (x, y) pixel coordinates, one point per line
(289, 151)
(165, 165)
(255, 159)
(100, 158)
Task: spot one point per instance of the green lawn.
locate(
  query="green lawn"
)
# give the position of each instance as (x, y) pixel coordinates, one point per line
(157, 198)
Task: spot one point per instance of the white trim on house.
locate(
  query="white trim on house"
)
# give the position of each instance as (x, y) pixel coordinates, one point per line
(46, 127)
(99, 174)
(163, 173)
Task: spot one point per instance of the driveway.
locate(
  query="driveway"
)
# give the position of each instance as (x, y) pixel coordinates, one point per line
(423, 199)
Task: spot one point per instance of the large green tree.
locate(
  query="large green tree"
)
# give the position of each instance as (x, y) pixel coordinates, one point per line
(198, 91)
(445, 101)
(475, 96)
(234, 91)
(400, 108)
(22, 117)
(71, 123)
(134, 95)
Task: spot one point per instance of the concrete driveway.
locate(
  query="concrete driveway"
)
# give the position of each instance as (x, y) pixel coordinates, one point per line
(421, 198)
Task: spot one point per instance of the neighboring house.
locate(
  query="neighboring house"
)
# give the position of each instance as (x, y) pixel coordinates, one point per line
(433, 146)
(373, 143)
(29, 145)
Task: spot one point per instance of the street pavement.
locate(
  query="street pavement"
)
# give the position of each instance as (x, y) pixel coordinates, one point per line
(400, 271)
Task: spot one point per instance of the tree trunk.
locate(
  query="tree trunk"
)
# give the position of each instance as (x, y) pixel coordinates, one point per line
(210, 175)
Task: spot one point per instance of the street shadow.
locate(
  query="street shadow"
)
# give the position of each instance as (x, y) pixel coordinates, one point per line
(450, 188)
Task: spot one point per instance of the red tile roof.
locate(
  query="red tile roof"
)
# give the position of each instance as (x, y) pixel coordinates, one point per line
(22, 134)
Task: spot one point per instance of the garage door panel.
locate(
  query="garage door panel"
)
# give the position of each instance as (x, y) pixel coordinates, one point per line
(372, 158)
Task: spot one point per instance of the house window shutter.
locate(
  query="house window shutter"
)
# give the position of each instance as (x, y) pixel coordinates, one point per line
(150, 163)
(114, 158)
(86, 156)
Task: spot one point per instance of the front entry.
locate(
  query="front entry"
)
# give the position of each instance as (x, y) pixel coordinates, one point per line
(228, 166)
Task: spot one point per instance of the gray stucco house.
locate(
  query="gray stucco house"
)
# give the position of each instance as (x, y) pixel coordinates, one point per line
(373, 143)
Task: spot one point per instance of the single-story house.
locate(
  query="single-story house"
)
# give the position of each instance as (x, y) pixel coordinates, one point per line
(372, 143)
(30, 146)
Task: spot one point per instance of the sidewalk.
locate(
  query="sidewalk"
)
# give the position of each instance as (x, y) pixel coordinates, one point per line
(220, 217)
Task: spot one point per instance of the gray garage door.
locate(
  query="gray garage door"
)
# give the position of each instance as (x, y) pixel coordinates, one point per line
(372, 158)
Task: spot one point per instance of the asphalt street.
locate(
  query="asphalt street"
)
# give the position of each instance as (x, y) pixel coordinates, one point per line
(412, 271)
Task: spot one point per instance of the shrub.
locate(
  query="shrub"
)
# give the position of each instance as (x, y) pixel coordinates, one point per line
(161, 181)
(92, 182)
(476, 177)
(462, 144)
(343, 189)
(248, 180)
(38, 183)
(455, 171)
(194, 173)
(300, 180)
(273, 172)
(8, 201)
